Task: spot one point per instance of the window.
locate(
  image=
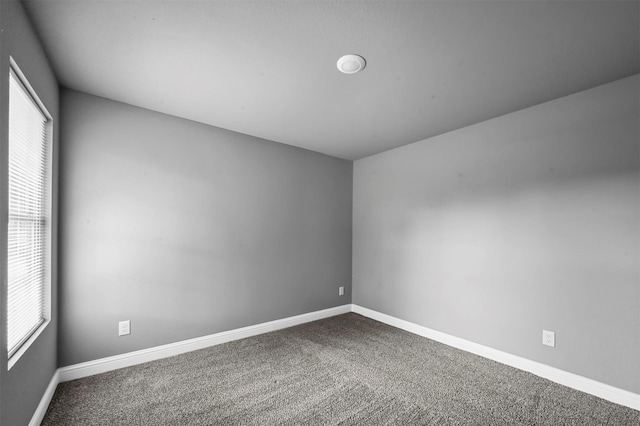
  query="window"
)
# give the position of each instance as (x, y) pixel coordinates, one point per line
(29, 227)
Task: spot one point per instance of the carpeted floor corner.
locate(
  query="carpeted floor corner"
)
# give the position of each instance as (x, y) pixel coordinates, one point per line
(347, 370)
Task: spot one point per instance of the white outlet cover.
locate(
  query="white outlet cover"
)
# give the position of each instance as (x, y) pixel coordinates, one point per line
(549, 338)
(340, 291)
(124, 328)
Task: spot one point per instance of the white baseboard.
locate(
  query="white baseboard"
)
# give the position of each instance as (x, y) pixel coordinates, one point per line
(38, 416)
(85, 369)
(574, 381)
(103, 365)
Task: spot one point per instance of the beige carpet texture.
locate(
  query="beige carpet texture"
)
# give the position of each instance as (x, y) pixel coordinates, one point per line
(344, 370)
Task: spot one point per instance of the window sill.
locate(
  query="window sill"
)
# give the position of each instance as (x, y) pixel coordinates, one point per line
(26, 345)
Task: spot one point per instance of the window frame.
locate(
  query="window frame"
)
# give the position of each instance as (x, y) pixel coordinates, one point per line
(29, 338)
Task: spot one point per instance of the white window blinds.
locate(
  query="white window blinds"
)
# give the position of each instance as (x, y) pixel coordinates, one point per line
(29, 219)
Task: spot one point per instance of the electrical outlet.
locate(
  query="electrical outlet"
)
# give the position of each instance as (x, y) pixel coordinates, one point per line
(549, 338)
(124, 328)
(340, 291)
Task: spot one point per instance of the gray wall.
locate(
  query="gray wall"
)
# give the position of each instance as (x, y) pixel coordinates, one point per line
(22, 387)
(526, 222)
(188, 230)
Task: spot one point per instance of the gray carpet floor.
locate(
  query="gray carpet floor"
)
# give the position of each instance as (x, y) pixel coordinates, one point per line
(347, 370)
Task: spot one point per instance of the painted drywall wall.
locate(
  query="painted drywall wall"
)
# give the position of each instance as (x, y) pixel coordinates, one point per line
(22, 387)
(526, 222)
(188, 230)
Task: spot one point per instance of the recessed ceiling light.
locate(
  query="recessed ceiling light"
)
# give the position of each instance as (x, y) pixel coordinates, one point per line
(351, 64)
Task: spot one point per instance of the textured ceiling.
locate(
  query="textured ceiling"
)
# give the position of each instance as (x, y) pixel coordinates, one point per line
(268, 68)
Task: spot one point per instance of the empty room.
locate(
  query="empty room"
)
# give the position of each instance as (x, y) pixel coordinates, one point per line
(319, 212)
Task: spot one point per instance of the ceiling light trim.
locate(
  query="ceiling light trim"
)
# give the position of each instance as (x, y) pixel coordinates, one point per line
(351, 64)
